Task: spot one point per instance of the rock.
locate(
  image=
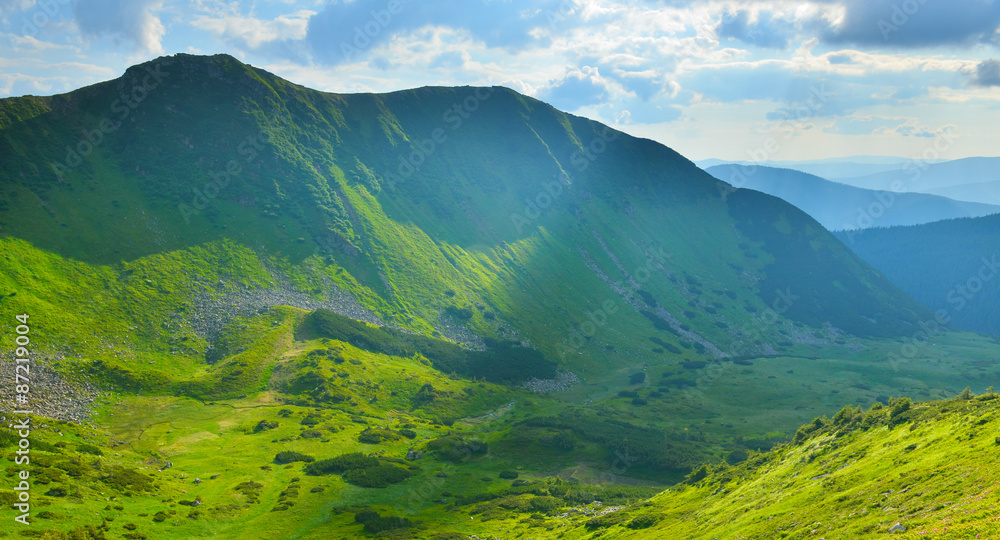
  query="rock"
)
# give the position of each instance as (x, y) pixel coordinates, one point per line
(897, 528)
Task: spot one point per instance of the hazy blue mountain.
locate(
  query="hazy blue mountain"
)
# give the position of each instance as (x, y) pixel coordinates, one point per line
(987, 192)
(839, 206)
(930, 178)
(849, 166)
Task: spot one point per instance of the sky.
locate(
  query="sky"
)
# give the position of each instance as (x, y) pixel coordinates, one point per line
(736, 80)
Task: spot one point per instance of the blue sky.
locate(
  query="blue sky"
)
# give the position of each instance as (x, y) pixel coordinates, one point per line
(729, 79)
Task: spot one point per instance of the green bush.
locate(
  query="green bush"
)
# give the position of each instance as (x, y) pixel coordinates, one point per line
(341, 464)
(508, 475)
(376, 477)
(377, 436)
(365, 516)
(455, 449)
(379, 524)
(642, 522)
(283, 458)
(127, 479)
(90, 449)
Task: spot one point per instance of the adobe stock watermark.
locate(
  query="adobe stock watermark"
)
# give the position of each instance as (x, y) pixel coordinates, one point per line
(901, 13)
(122, 108)
(250, 148)
(453, 117)
(365, 33)
(47, 10)
(22, 428)
(537, 206)
(958, 298)
(793, 121)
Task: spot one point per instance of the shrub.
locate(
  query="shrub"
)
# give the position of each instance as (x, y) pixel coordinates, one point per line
(697, 475)
(341, 464)
(642, 522)
(365, 516)
(453, 448)
(283, 458)
(377, 436)
(737, 456)
(899, 406)
(508, 475)
(390, 523)
(264, 425)
(311, 420)
(637, 378)
(408, 433)
(127, 480)
(376, 477)
(90, 449)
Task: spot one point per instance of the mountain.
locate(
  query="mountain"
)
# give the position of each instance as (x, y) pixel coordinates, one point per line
(949, 266)
(928, 177)
(382, 308)
(982, 191)
(839, 206)
(845, 167)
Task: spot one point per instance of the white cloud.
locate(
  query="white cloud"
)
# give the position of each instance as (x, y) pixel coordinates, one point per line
(135, 21)
(252, 32)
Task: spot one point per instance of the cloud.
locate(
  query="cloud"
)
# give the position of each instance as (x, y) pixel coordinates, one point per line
(987, 73)
(29, 43)
(343, 30)
(916, 23)
(882, 126)
(129, 20)
(766, 30)
(448, 60)
(15, 6)
(251, 32)
(579, 88)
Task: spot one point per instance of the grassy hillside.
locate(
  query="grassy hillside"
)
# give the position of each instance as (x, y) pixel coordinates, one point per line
(927, 467)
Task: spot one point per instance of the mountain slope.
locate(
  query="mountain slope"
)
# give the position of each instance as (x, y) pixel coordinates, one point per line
(949, 266)
(925, 467)
(420, 226)
(839, 206)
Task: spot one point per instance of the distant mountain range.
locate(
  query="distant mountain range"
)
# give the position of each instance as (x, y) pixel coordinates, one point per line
(849, 166)
(975, 179)
(840, 206)
(971, 179)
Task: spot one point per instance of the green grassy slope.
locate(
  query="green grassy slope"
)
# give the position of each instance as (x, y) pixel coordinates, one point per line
(926, 466)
